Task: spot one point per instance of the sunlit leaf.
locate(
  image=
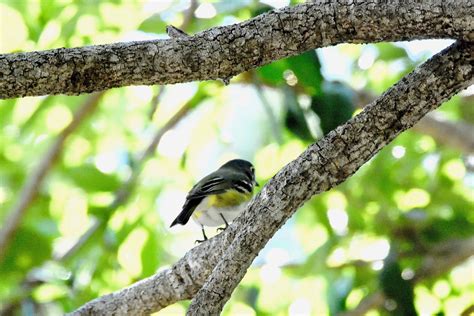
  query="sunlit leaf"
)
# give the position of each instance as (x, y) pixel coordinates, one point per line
(90, 178)
(154, 24)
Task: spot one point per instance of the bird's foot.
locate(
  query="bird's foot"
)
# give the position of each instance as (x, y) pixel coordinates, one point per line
(225, 222)
(203, 235)
(198, 241)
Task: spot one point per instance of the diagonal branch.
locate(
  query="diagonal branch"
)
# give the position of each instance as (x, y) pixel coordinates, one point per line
(30, 188)
(331, 161)
(455, 134)
(322, 166)
(226, 51)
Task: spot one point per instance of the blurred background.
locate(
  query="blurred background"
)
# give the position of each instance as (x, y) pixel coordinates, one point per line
(97, 179)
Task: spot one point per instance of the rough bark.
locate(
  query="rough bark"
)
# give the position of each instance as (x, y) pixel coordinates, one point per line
(455, 134)
(223, 52)
(322, 166)
(331, 161)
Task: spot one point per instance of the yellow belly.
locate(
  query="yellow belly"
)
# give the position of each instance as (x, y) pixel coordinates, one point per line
(228, 204)
(228, 198)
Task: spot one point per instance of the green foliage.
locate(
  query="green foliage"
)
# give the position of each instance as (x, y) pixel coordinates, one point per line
(415, 193)
(295, 119)
(154, 24)
(302, 71)
(334, 106)
(90, 179)
(388, 52)
(397, 289)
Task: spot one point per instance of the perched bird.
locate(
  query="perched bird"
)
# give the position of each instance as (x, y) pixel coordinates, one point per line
(219, 197)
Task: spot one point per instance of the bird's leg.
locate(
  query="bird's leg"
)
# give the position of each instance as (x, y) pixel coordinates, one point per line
(226, 224)
(203, 234)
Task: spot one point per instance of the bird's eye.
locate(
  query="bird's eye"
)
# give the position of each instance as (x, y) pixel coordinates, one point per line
(252, 169)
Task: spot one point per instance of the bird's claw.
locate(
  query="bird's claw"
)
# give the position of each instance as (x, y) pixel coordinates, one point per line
(198, 241)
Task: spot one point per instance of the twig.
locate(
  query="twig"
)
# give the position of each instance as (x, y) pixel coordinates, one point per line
(30, 189)
(188, 15)
(469, 311)
(171, 30)
(155, 101)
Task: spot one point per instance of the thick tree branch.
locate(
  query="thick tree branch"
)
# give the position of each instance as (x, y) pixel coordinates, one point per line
(30, 189)
(226, 51)
(455, 134)
(331, 161)
(320, 167)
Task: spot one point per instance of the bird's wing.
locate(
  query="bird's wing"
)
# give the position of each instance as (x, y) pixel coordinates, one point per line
(209, 185)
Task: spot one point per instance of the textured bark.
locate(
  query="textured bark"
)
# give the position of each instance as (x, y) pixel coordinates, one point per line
(332, 160)
(322, 166)
(223, 52)
(455, 134)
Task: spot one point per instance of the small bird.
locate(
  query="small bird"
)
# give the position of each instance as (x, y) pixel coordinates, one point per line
(219, 197)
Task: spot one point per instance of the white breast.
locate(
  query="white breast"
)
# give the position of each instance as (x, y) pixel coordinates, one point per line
(211, 216)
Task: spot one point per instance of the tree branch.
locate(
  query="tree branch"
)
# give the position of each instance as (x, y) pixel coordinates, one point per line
(322, 166)
(331, 161)
(33, 183)
(226, 51)
(455, 134)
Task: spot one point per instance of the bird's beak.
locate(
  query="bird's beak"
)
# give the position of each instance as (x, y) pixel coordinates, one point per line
(256, 183)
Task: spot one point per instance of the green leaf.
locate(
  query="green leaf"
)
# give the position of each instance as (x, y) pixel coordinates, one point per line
(335, 106)
(272, 74)
(295, 119)
(396, 288)
(28, 248)
(150, 254)
(307, 69)
(154, 24)
(90, 178)
(388, 52)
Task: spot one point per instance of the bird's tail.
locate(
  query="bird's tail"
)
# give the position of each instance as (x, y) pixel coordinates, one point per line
(186, 213)
(176, 221)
